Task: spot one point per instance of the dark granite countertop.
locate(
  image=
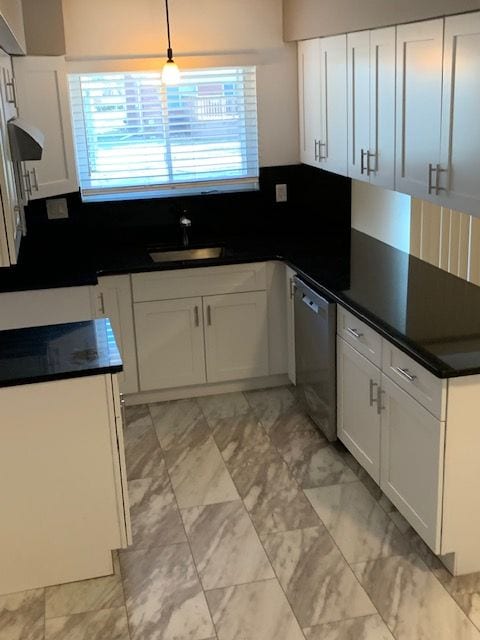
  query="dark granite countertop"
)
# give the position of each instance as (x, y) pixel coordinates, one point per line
(56, 352)
(430, 314)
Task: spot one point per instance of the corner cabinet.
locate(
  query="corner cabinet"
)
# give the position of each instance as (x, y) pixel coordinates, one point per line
(42, 95)
(417, 436)
(323, 103)
(63, 484)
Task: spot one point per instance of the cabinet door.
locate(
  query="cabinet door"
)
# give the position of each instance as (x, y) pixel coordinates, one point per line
(333, 145)
(412, 461)
(381, 158)
(7, 87)
(310, 103)
(114, 301)
(236, 337)
(358, 418)
(42, 94)
(419, 104)
(170, 344)
(358, 56)
(290, 273)
(460, 121)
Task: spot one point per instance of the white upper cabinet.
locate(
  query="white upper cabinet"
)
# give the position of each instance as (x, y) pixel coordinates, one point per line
(419, 106)
(333, 144)
(7, 87)
(460, 142)
(42, 95)
(310, 103)
(358, 52)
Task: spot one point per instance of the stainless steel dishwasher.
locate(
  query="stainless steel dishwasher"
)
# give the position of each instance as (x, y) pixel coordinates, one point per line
(315, 356)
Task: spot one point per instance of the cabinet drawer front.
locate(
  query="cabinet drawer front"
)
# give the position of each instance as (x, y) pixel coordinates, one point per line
(201, 281)
(362, 338)
(429, 390)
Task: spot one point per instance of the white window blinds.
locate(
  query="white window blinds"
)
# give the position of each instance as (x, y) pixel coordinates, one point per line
(135, 137)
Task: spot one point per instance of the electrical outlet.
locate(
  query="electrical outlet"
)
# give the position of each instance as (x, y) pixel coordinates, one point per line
(281, 192)
(57, 208)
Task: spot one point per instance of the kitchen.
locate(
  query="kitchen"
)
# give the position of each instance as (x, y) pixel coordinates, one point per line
(211, 499)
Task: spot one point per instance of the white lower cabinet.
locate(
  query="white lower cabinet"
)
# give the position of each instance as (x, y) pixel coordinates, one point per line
(236, 336)
(170, 344)
(63, 486)
(114, 300)
(412, 461)
(358, 417)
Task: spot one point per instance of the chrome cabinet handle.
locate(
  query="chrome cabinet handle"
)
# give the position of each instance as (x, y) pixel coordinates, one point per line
(196, 316)
(372, 388)
(438, 171)
(380, 406)
(353, 332)
(316, 152)
(102, 303)
(369, 169)
(209, 315)
(362, 164)
(35, 179)
(28, 182)
(10, 84)
(123, 410)
(320, 145)
(405, 373)
(431, 169)
(292, 288)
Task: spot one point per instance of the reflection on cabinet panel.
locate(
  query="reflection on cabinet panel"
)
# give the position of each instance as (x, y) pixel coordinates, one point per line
(236, 339)
(412, 461)
(309, 90)
(333, 145)
(419, 99)
(460, 122)
(170, 343)
(358, 417)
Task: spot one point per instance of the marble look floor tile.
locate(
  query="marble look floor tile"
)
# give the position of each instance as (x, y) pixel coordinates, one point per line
(225, 546)
(179, 423)
(320, 465)
(269, 404)
(357, 523)
(142, 452)
(273, 498)
(470, 604)
(92, 625)
(163, 595)
(22, 615)
(318, 582)
(367, 628)
(85, 595)
(293, 420)
(154, 513)
(255, 611)
(242, 441)
(199, 475)
(412, 601)
(225, 405)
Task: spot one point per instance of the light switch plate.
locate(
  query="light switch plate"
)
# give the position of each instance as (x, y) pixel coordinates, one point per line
(57, 208)
(281, 192)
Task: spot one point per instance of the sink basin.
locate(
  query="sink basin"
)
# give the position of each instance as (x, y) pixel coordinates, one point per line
(181, 255)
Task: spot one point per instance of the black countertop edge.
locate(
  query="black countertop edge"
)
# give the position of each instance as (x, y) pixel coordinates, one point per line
(15, 382)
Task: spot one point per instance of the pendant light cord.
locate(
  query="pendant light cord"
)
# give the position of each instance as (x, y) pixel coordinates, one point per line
(168, 30)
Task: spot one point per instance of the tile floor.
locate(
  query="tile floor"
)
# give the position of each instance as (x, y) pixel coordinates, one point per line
(248, 525)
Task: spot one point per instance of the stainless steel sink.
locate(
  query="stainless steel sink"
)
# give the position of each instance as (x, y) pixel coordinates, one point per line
(207, 253)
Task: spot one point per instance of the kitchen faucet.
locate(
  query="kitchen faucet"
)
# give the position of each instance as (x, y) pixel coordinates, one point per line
(185, 223)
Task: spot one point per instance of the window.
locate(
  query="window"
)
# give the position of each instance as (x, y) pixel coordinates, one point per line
(135, 137)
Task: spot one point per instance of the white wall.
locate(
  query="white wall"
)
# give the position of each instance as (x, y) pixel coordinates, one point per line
(383, 214)
(204, 33)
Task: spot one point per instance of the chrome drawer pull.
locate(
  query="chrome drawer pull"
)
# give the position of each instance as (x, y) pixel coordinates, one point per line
(353, 332)
(406, 374)
(372, 387)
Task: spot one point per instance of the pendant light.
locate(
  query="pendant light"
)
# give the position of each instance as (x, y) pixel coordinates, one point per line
(170, 71)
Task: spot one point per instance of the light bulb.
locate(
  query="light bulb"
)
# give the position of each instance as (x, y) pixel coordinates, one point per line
(170, 73)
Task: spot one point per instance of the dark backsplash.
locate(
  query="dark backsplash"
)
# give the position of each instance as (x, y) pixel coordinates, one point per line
(318, 202)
